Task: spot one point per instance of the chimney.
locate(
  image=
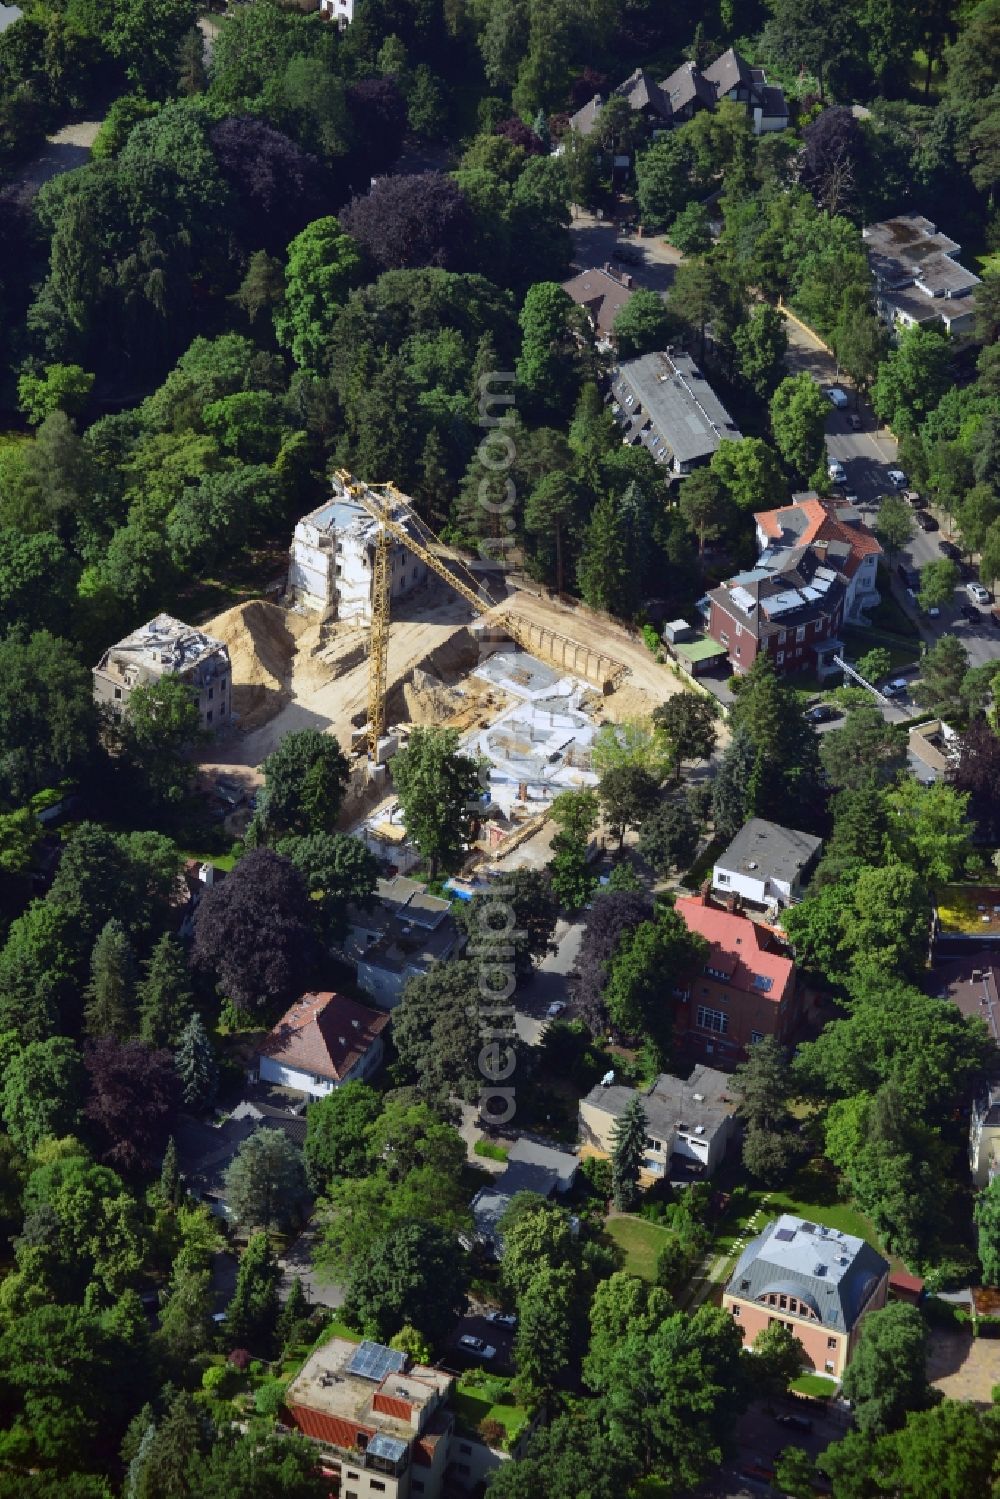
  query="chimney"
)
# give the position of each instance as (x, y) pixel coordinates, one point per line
(356, 1024)
(627, 280)
(342, 1040)
(705, 892)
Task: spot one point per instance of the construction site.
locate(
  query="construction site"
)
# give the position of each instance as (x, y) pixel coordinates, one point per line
(381, 630)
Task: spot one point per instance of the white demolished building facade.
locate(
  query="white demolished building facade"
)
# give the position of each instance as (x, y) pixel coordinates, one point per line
(333, 554)
(167, 647)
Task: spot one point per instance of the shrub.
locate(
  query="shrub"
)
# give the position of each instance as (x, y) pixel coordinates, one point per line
(492, 1431)
(491, 1150)
(269, 1398)
(214, 1378)
(596, 1171)
(652, 640)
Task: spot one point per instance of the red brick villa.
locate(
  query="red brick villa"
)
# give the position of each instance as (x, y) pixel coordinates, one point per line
(747, 989)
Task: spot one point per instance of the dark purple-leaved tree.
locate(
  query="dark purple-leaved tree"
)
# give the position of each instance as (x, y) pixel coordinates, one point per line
(134, 1095)
(406, 222)
(255, 932)
(612, 914)
(977, 771)
(833, 158)
(278, 187)
(378, 116)
(521, 135)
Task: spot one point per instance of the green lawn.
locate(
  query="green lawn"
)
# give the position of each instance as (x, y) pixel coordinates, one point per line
(814, 1384)
(477, 1400)
(221, 861)
(641, 1243)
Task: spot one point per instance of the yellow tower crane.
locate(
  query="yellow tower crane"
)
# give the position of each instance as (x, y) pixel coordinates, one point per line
(396, 518)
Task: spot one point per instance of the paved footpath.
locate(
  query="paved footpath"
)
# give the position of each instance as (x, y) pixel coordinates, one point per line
(712, 1270)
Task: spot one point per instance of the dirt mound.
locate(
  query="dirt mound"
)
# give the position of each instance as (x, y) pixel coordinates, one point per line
(428, 700)
(262, 640)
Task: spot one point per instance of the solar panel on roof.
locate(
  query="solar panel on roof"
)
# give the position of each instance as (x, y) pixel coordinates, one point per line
(390, 1448)
(374, 1361)
(826, 573)
(744, 599)
(786, 1235)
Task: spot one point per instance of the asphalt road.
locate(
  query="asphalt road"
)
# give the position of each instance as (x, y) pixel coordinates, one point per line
(595, 240)
(547, 984)
(866, 456)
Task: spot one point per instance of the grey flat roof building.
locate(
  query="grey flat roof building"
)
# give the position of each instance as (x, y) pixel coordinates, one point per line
(833, 1273)
(700, 1103)
(666, 403)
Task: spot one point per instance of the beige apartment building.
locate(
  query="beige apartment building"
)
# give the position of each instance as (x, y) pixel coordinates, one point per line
(167, 647)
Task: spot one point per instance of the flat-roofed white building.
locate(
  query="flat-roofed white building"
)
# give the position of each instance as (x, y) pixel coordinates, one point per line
(333, 555)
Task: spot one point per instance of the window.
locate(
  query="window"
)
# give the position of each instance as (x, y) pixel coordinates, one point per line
(721, 878)
(828, 1366)
(756, 1036)
(654, 1144)
(655, 1168)
(712, 1020)
(353, 1475)
(781, 637)
(780, 658)
(831, 1342)
(723, 637)
(118, 693)
(735, 1310)
(800, 633)
(211, 693)
(208, 716)
(377, 1485)
(783, 1303)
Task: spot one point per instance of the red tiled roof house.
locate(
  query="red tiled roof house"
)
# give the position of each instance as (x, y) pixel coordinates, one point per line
(322, 1041)
(746, 990)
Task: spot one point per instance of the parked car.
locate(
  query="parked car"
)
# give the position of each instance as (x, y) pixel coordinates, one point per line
(926, 521)
(854, 422)
(476, 1346)
(977, 593)
(502, 1319)
(896, 478)
(972, 615)
(836, 471)
(915, 498)
(898, 687)
(933, 612)
(950, 550)
(909, 576)
(822, 713)
(555, 1008)
(797, 1423)
(836, 396)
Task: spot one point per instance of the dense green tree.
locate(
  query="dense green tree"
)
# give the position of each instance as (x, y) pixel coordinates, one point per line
(671, 1393)
(195, 1062)
(41, 1090)
(544, 1328)
(185, 1319)
(987, 1218)
(416, 1276)
(945, 1452)
(799, 411)
(61, 387)
(760, 343)
(622, 1304)
(439, 790)
(548, 361)
(571, 1455)
(338, 1134)
(929, 828)
(110, 994)
(705, 505)
(870, 915)
(913, 378)
(163, 995)
(942, 672)
(606, 573)
(536, 1235)
(550, 509)
(642, 325)
(778, 1358)
(575, 814)
(304, 783)
(628, 1152)
(252, 1314)
(628, 795)
(437, 1028)
(894, 526)
(46, 714)
(518, 913)
(691, 230)
(887, 1375)
(750, 473)
(690, 722)
(323, 265)
(938, 581)
(657, 952)
(663, 179)
(266, 1181)
(730, 805)
(864, 751)
(338, 870)
(861, 342)
(785, 772)
(669, 836)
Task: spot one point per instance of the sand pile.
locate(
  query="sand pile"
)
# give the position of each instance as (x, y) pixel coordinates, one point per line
(428, 700)
(262, 640)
